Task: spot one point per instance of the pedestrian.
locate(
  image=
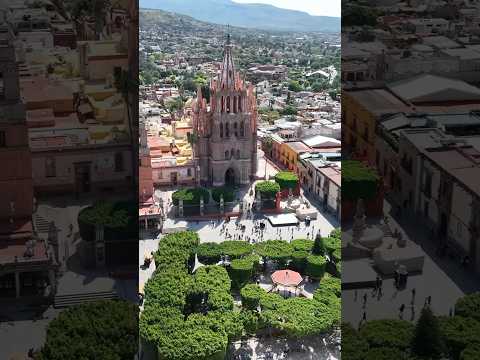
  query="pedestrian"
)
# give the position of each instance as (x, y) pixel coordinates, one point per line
(364, 300)
(402, 309)
(429, 300)
(413, 295)
(364, 317)
(380, 287)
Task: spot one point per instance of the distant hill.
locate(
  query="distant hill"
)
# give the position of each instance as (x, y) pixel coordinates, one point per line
(258, 16)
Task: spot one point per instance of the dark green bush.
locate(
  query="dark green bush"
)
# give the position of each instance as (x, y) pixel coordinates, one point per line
(267, 189)
(251, 295)
(286, 180)
(390, 333)
(227, 192)
(358, 181)
(209, 253)
(469, 306)
(316, 266)
(191, 196)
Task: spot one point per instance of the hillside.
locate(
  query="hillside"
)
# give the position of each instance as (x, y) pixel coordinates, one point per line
(258, 16)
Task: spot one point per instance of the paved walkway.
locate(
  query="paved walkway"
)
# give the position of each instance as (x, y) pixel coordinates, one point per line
(442, 279)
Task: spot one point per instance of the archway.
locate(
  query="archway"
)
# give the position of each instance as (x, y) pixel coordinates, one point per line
(230, 177)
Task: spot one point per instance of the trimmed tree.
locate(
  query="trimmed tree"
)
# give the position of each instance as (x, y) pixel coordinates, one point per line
(469, 306)
(299, 260)
(267, 189)
(427, 339)
(286, 180)
(191, 196)
(316, 266)
(242, 270)
(209, 253)
(251, 295)
(318, 246)
(227, 192)
(235, 249)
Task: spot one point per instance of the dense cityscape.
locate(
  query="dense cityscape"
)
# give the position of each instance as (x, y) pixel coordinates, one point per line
(239, 191)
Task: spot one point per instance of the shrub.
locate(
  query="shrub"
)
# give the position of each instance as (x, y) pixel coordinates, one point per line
(391, 333)
(220, 301)
(286, 180)
(316, 266)
(302, 244)
(120, 220)
(469, 306)
(458, 332)
(337, 255)
(276, 250)
(191, 196)
(318, 246)
(251, 295)
(242, 270)
(267, 189)
(227, 192)
(168, 288)
(471, 352)
(358, 181)
(332, 243)
(115, 335)
(354, 346)
(236, 249)
(157, 320)
(209, 253)
(210, 278)
(330, 285)
(385, 353)
(299, 260)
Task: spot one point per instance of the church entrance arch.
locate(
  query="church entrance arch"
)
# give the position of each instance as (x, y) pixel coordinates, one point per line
(230, 177)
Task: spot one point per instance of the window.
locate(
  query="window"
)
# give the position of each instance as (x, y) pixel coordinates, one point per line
(221, 130)
(239, 104)
(227, 130)
(242, 130)
(232, 153)
(235, 129)
(118, 162)
(50, 167)
(189, 172)
(228, 104)
(235, 104)
(3, 141)
(238, 154)
(226, 155)
(223, 104)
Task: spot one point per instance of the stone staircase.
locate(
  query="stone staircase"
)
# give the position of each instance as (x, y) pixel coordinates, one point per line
(64, 301)
(41, 224)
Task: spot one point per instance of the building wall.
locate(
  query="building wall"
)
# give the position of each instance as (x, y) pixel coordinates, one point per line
(102, 168)
(163, 176)
(100, 69)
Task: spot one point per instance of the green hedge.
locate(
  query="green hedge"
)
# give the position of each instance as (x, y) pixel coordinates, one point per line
(120, 220)
(316, 266)
(191, 196)
(251, 295)
(299, 260)
(220, 301)
(227, 192)
(358, 181)
(236, 248)
(115, 336)
(209, 253)
(458, 333)
(242, 270)
(267, 189)
(302, 244)
(391, 333)
(469, 306)
(275, 250)
(286, 180)
(354, 347)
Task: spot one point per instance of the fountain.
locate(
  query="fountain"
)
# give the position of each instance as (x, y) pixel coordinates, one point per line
(369, 237)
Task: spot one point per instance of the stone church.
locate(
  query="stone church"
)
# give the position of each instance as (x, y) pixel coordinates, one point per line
(225, 128)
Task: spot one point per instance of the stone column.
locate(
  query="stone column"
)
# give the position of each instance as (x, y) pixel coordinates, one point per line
(180, 208)
(99, 246)
(17, 284)
(222, 205)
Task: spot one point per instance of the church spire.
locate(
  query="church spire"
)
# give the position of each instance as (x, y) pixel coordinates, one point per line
(227, 75)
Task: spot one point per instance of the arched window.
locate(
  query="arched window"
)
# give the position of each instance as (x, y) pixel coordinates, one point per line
(239, 104)
(221, 130)
(242, 129)
(232, 153)
(228, 104)
(223, 105)
(235, 104)
(226, 155)
(235, 129)
(227, 130)
(238, 154)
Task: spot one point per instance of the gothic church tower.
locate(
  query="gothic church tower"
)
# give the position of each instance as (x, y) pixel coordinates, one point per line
(225, 128)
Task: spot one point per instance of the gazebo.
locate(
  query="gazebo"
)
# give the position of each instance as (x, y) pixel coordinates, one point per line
(287, 279)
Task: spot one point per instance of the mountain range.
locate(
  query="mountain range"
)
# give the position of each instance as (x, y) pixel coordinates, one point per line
(258, 16)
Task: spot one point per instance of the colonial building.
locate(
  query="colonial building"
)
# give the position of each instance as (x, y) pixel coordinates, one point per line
(225, 128)
(27, 266)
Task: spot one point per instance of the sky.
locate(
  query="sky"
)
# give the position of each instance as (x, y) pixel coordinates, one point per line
(313, 7)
